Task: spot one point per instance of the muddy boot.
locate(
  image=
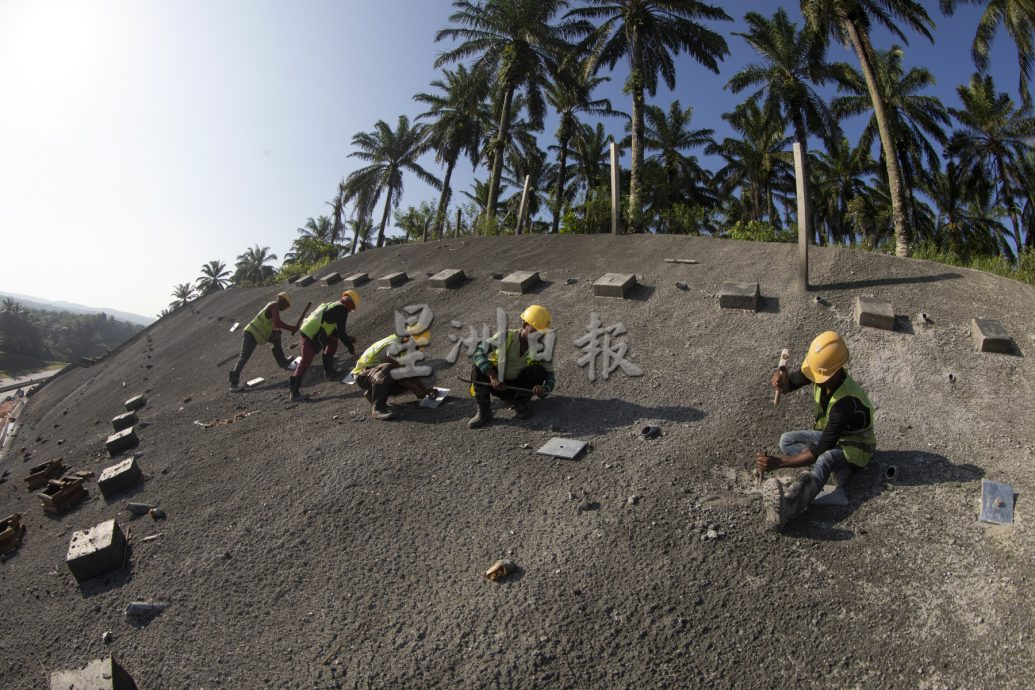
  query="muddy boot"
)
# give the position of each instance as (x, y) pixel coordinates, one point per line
(484, 414)
(235, 380)
(329, 372)
(772, 501)
(522, 408)
(297, 395)
(782, 503)
(282, 361)
(379, 394)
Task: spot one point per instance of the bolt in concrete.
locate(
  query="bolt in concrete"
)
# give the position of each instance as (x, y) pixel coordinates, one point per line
(990, 336)
(614, 285)
(875, 313)
(733, 295)
(119, 477)
(124, 421)
(122, 440)
(96, 551)
(520, 282)
(447, 278)
(135, 403)
(392, 279)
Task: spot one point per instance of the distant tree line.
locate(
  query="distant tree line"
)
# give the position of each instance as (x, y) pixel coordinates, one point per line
(59, 335)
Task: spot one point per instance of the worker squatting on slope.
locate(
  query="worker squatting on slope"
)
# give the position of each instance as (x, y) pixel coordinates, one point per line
(323, 329)
(843, 437)
(384, 369)
(266, 326)
(522, 367)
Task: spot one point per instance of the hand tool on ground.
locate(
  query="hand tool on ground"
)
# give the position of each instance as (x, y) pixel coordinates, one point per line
(785, 359)
(485, 383)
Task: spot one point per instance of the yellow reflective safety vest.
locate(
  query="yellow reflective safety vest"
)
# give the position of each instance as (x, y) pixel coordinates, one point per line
(858, 444)
(314, 322)
(369, 358)
(261, 326)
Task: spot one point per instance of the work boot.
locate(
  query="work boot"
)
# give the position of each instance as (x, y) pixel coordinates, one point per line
(483, 416)
(295, 383)
(329, 372)
(282, 361)
(772, 501)
(781, 504)
(235, 380)
(522, 408)
(379, 395)
(383, 414)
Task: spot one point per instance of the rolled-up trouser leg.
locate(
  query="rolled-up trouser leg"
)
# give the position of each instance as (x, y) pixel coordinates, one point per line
(247, 348)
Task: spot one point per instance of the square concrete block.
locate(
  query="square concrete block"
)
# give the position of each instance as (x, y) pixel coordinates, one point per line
(990, 336)
(332, 278)
(614, 285)
(96, 551)
(135, 403)
(102, 674)
(292, 280)
(392, 279)
(875, 313)
(306, 281)
(122, 440)
(520, 282)
(447, 278)
(118, 478)
(357, 279)
(734, 295)
(124, 421)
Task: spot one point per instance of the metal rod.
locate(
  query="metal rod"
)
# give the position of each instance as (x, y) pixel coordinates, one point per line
(509, 388)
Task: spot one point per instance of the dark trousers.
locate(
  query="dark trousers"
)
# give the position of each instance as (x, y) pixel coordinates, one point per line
(248, 346)
(529, 378)
(309, 350)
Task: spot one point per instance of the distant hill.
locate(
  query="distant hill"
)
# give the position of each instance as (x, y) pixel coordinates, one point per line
(39, 303)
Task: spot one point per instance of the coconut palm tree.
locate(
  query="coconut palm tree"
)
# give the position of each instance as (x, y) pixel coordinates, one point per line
(251, 267)
(516, 42)
(836, 177)
(1018, 18)
(992, 139)
(214, 277)
(650, 33)
(337, 204)
(456, 119)
(850, 22)
(182, 293)
(389, 153)
(966, 222)
(670, 136)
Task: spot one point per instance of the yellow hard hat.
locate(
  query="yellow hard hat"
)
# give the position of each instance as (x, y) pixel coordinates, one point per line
(422, 339)
(827, 354)
(353, 294)
(285, 297)
(537, 317)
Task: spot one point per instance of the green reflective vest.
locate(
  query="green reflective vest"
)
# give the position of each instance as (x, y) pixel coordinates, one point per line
(314, 322)
(261, 326)
(370, 356)
(858, 444)
(515, 362)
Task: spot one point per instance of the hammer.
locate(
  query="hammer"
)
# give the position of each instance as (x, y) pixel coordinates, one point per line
(785, 359)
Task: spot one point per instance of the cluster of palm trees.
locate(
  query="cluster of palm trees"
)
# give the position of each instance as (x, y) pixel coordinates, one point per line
(955, 176)
(252, 269)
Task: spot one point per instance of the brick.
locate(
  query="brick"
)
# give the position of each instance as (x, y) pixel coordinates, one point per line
(447, 278)
(990, 336)
(96, 551)
(733, 295)
(332, 278)
(135, 403)
(356, 279)
(101, 674)
(391, 280)
(614, 285)
(875, 313)
(59, 495)
(124, 421)
(520, 282)
(119, 477)
(122, 440)
(306, 281)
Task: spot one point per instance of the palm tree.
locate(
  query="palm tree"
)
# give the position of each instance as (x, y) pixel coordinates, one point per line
(213, 277)
(965, 221)
(456, 118)
(337, 205)
(182, 293)
(592, 149)
(515, 42)
(992, 139)
(390, 153)
(251, 266)
(361, 224)
(320, 228)
(650, 33)
(1018, 18)
(836, 177)
(849, 22)
(671, 136)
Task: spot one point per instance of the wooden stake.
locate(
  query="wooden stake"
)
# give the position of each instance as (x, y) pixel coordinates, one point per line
(615, 191)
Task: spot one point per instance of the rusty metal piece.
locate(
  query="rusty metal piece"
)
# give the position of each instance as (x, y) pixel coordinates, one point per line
(39, 474)
(11, 532)
(61, 494)
(500, 569)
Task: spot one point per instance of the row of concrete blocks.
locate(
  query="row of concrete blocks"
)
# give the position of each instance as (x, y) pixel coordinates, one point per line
(517, 283)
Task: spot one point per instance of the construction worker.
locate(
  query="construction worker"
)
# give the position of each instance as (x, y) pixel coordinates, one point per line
(322, 330)
(266, 326)
(843, 437)
(522, 368)
(374, 370)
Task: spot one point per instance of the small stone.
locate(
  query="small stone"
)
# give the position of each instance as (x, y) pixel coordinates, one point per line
(632, 500)
(682, 286)
(106, 637)
(572, 281)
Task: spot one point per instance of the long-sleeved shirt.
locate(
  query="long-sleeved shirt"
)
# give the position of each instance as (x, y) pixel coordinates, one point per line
(516, 360)
(847, 414)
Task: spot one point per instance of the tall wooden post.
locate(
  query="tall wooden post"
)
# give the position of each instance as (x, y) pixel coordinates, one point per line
(456, 230)
(802, 189)
(615, 192)
(523, 207)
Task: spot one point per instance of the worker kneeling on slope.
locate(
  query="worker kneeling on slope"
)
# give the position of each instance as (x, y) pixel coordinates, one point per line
(843, 437)
(387, 368)
(265, 327)
(526, 371)
(323, 329)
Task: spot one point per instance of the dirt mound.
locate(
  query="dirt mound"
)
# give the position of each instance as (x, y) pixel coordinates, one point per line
(307, 545)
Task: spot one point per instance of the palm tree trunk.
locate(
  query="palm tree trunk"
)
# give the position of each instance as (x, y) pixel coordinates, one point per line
(1011, 208)
(860, 43)
(497, 155)
(443, 201)
(636, 146)
(384, 219)
(561, 174)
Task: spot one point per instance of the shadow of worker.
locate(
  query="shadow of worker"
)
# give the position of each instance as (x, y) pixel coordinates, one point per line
(579, 415)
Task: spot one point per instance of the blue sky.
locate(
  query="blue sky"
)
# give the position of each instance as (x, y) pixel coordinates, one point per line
(141, 139)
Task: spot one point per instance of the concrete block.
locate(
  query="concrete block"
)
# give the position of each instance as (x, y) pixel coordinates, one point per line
(42, 473)
(306, 281)
(332, 278)
(392, 279)
(59, 495)
(101, 674)
(990, 336)
(122, 440)
(614, 285)
(447, 278)
(96, 551)
(124, 421)
(292, 280)
(135, 403)
(875, 313)
(254, 382)
(734, 295)
(119, 477)
(356, 279)
(520, 282)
